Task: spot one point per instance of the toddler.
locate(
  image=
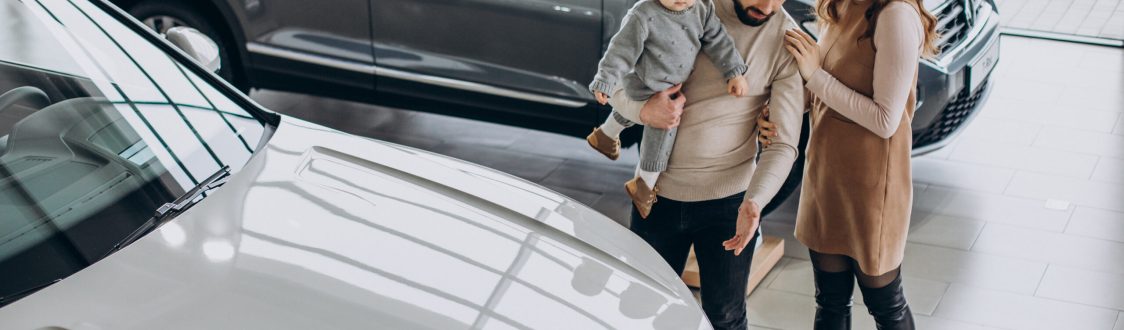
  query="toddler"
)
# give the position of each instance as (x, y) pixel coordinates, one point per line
(654, 50)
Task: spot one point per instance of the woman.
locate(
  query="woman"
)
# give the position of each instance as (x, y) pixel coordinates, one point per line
(857, 192)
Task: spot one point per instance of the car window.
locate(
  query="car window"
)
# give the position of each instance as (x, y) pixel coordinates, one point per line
(98, 128)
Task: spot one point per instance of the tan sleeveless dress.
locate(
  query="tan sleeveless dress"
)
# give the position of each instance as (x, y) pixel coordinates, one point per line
(857, 192)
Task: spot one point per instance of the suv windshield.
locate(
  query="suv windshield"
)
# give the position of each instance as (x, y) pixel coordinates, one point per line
(98, 128)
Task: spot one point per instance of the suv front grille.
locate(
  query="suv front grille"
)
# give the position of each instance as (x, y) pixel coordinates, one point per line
(954, 115)
(953, 24)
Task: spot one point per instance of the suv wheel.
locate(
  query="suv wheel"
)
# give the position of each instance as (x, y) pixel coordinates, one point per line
(162, 15)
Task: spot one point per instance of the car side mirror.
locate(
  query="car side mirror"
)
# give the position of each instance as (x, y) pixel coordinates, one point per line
(197, 45)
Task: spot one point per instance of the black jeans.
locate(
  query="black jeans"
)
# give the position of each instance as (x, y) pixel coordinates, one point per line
(673, 226)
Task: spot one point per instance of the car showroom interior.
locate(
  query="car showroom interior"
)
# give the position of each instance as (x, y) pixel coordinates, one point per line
(420, 164)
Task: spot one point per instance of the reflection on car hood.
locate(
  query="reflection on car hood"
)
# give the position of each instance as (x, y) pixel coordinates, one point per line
(327, 230)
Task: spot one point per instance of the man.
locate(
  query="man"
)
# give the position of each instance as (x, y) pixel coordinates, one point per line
(712, 192)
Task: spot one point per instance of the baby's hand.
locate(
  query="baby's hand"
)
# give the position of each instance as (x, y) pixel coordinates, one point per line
(601, 97)
(737, 86)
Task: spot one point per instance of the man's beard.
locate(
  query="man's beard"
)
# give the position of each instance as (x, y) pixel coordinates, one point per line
(743, 15)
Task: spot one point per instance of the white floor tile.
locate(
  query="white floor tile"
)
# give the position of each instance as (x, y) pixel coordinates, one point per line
(1097, 223)
(946, 231)
(1050, 247)
(780, 310)
(1060, 113)
(1083, 286)
(1029, 50)
(1056, 82)
(973, 268)
(995, 126)
(1075, 140)
(1108, 87)
(923, 294)
(1016, 311)
(1079, 192)
(775, 272)
(1019, 211)
(1029, 89)
(795, 277)
(1119, 322)
(938, 323)
(1107, 60)
(1034, 159)
(1109, 170)
(1093, 98)
(790, 311)
(961, 175)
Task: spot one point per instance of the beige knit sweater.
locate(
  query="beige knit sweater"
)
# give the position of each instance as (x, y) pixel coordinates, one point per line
(716, 143)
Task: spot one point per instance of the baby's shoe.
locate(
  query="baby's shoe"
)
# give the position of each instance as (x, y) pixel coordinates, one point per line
(642, 196)
(604, 144)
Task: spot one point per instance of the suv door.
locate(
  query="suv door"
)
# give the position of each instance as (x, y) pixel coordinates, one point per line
(319, 40)
(541, 47)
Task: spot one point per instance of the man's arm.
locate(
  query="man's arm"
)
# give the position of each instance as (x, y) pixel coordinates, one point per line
(786, 111)
(659, 111)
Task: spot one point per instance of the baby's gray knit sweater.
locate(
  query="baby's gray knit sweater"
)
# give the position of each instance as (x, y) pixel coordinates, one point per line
(659, 46)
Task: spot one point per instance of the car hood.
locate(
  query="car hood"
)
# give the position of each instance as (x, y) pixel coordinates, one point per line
(323, 229)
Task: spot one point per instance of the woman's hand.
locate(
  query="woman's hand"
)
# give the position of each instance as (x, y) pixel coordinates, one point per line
(804, 49)
(749, 217)
(766, 130)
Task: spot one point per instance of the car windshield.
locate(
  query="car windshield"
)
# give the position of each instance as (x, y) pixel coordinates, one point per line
(98, 128)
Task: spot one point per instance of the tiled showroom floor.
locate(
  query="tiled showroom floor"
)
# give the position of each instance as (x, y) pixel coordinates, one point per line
(1090, 18)
(1018, 224)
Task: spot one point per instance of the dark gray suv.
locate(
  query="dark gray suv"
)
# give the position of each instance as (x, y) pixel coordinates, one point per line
(519, 62)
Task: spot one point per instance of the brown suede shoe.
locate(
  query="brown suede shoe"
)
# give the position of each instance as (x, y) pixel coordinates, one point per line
(642, 197)
(604, 144)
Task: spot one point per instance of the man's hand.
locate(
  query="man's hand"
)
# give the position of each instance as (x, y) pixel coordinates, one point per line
(663, 109)
(749, 217)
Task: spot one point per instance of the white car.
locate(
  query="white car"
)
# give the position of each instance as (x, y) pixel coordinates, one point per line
(139, 191)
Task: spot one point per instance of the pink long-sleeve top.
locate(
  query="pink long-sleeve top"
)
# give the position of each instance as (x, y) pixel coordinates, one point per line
(897, 42)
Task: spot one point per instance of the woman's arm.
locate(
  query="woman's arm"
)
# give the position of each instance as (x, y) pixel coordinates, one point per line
(897, 41)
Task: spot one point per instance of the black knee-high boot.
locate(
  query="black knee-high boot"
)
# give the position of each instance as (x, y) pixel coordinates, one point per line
(833, 299)
(888, 306)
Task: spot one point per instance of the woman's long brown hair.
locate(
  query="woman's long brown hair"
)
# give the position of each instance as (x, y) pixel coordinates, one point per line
(828, 13)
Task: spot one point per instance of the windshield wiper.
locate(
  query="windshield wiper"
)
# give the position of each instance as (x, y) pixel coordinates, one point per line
(177, 206)
(4, 300)
(191, 198)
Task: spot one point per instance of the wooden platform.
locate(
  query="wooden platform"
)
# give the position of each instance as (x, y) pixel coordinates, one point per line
(764, 259)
